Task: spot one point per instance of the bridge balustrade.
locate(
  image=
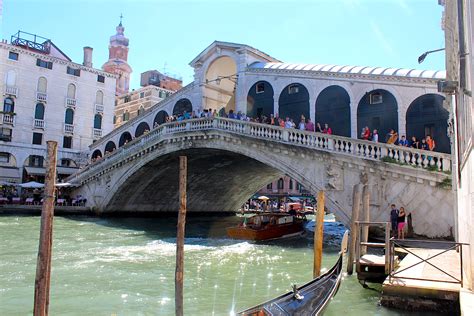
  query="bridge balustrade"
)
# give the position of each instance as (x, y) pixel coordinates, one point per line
(331, 143)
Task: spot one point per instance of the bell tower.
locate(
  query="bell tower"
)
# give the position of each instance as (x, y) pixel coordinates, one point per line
(117, 63)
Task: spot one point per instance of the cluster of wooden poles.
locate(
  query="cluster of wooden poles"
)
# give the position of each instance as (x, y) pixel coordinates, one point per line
(43, 266)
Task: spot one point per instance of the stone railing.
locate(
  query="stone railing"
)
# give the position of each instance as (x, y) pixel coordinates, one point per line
(37, 123)
(13, 91)
(41, 96)
(99, 108)
(330, 143)
(68, 128)
(7, 118)
(71, 103)
(96, 133)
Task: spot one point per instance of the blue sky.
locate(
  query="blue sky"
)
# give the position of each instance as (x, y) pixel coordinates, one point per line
(167, 35)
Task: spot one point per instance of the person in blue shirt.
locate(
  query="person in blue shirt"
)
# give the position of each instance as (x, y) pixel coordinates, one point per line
(403, 141)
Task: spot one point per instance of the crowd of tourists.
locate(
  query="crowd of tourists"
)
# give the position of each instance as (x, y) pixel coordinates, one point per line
(426, 143)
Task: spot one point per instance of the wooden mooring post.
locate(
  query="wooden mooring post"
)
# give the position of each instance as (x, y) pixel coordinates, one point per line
(43, 264)
(366, 217)
(318, 235)
(178, 277)
(356, 197)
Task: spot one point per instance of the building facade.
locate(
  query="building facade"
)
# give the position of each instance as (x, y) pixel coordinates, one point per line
(46, 96)
(118, 60)
(284, 187)
(132, 104)
(156, 78)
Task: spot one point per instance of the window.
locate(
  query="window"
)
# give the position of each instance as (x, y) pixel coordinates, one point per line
(39, 111)
(44, 64)
(37, 138)
(8, 105)
(100, 78)
(269, 186)
(67, 143)
(141, 110)
(142, 95)
(11, 78)
(99, 97)
(69, 117)
(126, 99)
(36, 161)
(73, 71)
(71, 91)
(98, 121)
(125, 116)
(260, 87)
(115, 119)
(4, 157)
(13, 56)
(293, 89)
(162, 94)
(5, 134)
(42, 84)
(291, 184)
(280, 183)
(375, 98)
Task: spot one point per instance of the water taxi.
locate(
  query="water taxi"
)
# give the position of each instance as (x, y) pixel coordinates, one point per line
(267, 226)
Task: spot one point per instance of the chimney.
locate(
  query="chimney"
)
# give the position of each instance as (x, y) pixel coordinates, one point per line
(87, 56)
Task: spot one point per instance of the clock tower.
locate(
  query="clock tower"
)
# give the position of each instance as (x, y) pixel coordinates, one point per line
(117, 63)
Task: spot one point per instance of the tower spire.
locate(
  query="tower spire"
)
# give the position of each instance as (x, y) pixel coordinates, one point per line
(121, 16)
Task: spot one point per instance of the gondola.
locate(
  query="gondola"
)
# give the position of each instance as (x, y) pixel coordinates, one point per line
(309, 299)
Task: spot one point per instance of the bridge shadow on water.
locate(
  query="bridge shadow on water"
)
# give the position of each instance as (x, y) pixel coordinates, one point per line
(211, 230)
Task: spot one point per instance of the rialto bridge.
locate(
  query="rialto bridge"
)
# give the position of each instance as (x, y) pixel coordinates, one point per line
(229, 160)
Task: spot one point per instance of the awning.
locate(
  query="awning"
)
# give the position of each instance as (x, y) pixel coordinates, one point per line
(10, 174)
(66, 170)
(35, 171)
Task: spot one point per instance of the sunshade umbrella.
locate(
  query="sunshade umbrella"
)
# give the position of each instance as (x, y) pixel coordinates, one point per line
(263, 197)
(31, 185)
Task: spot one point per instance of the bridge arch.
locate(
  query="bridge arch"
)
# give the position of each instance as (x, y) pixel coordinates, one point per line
(141, 128)
(260, 99)
(124, 138)
(333, 107)
(378, 109)
(181, 106)
(294, 102)
(149, 183)
(96, 154)
(110, 146)
(427, 116)
(160, 118)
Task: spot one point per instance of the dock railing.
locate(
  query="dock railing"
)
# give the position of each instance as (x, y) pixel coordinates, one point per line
(443, 246)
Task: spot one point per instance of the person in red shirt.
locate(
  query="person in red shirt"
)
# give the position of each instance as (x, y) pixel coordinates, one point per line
(431, 143)
(366, 135)
(327, 129)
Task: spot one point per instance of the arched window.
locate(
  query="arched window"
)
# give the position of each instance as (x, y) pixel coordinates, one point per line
(141, 129)
(96, 154)
(8, 105)
(69, 117)
(98, 121)
(39, 111)
(99, 97)
(160, 118)
(11, 78)
(294, 102)
(183, 105)
(42, 84)
(291, 184)
(260, 100)
(280, 184)
(125, 116)
(141, 110)
(71, 91)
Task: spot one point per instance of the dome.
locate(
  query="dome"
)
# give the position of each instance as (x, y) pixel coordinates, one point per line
(119, 38)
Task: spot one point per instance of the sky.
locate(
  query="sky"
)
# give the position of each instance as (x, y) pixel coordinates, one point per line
(166, 35)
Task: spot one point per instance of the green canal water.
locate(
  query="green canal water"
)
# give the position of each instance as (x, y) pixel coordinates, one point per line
(125, 266)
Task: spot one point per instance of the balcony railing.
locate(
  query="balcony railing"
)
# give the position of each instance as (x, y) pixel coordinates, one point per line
(8, 119)
(99, 108)
(70, 102)
(41, 96)
(68, 128)
(96, 133)
(38, 123)
(13, 91)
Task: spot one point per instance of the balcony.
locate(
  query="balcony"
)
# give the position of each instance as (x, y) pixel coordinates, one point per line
(7, 119)
(96, 133)
(99, 108)
(68, 128)
(41, 96)
(38, 123)
(12, 91)
(71, 103)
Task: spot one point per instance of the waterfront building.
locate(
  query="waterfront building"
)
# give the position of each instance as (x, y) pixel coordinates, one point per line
(118, 60)
(458, 25)
(46, 96)
(130, 105)
(284, 187)
(156, 78)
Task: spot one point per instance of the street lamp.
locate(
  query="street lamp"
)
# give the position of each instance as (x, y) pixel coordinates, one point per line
(423, 56)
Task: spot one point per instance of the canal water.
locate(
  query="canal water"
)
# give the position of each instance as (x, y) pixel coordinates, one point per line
(125, 266)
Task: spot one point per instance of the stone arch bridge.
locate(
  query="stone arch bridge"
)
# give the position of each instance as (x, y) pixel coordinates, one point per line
(229, 160)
